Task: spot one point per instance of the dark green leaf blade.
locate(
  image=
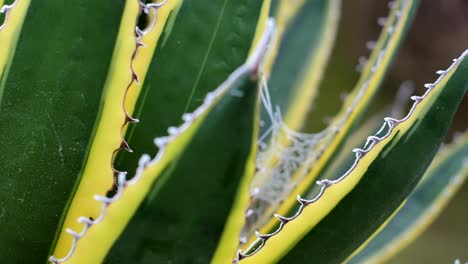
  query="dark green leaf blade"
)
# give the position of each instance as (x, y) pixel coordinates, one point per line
(388, 180)
(183, 216)
(176, 84)
(444, 177)
(49, 103)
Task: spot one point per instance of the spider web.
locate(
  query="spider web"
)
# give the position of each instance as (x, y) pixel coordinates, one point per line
(285, 157)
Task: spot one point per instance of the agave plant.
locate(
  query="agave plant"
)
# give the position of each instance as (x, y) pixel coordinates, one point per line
(173, 132)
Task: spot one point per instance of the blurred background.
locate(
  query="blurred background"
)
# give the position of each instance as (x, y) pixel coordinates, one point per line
(438, 35)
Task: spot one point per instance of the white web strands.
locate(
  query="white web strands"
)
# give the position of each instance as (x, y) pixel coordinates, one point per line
(294, 154)
(383, 133)
(286, 156)
(174, 132)
(6, 10)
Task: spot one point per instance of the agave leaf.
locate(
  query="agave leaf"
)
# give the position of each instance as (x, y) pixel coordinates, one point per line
(342, 160)
(301, 181)
(393, 160)
(50, 96)
(188, 206)
(301, 55)
(118, 210)
(440, 183)
(177, 86)
(10, 28)
(122, 88)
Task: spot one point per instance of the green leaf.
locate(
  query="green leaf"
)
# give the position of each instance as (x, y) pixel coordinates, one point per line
(11, 20)
(183, 216)
(49, 101)
(301, 56)
(393, 160)
(132, 54)
(177, 84)
(445, 176)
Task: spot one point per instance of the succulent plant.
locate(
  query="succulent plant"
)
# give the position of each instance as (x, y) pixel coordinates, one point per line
(173, 132)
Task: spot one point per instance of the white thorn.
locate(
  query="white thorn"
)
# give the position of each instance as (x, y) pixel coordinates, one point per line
(145, 158)
(187, 117)
(381, 21)
(325, 182)
(370, 45)
(209, 98)
(360, 151)
(429, 85)
(172, 130)
(161, 141)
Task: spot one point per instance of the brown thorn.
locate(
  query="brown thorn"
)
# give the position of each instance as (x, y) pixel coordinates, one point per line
(125, 146)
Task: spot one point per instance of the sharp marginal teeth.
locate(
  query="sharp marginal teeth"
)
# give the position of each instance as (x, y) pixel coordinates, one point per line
(281, 218)
(209, 97)
(428, 85)
(358, 150)
(187, 117)
(172, 130)
(160, 141)
(370, 45)
(362, 60)
(381, 21)
(145, 158)
(324, 182)
(301, 200)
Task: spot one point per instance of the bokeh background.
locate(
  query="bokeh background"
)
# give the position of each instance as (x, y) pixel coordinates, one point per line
(439, 34)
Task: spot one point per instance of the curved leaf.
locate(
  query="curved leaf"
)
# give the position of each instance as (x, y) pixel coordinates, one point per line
(177, 84)
(130, 61)
(13, 16)
(188, 206)
(50, 99)
(393, 160)
(302, 57)
(444, 177)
